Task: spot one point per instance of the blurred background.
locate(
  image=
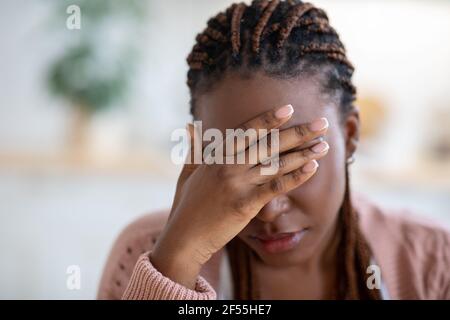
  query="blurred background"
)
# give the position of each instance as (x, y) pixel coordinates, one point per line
(86, 116)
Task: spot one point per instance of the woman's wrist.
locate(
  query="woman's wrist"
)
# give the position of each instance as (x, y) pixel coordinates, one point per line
(176, 265)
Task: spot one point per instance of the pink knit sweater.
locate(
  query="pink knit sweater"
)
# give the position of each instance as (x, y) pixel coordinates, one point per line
(414, 259)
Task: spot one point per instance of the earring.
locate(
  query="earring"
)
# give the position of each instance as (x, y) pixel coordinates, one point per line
(350, 160)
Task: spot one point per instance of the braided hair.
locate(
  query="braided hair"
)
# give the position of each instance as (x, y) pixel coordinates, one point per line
(284, 39)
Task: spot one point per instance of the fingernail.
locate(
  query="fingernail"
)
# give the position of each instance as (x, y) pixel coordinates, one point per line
(319, 124)
(320, 147)
(284, 112)
(310, 166)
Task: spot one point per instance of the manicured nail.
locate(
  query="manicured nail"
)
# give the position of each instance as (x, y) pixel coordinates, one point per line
(310, 166)
(319, 124)
(284, 112)
(320, 147)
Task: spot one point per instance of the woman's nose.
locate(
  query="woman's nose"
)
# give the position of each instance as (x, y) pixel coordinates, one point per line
(276, 207)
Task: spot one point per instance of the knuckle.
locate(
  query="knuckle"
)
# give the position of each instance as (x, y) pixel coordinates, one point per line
(297, 175)
(300, 158)
(307, 154)
(301, 131)
(268, 119)
(276, 185)
(282, 162)
(244, 126)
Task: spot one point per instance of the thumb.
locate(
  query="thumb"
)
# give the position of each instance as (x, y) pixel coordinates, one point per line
(190, 161)
(188, 167)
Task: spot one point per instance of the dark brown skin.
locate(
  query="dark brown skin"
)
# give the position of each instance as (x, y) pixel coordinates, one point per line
(313, 203)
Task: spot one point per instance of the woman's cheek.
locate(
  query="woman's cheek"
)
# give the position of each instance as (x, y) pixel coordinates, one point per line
(331, 185)
(321, 196)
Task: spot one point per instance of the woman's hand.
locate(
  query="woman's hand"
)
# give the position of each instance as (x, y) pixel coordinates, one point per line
(214, 202)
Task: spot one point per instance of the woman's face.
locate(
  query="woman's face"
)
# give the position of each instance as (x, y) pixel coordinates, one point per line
(313, 206)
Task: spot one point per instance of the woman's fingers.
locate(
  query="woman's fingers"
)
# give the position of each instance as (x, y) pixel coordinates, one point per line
(288, 162)
(299, 136)
(251, 131)
(285, 183)
(302, 134)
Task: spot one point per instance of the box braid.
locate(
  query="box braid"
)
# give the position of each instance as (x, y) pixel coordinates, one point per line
(284, 39)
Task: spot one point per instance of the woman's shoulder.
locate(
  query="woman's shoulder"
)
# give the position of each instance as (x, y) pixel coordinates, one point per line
(136, 238)
(400, 225)
(150, 224)
(140, 235)
(412, 252)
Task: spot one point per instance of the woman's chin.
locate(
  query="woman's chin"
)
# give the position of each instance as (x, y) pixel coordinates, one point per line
(284, 255)
(285, 259)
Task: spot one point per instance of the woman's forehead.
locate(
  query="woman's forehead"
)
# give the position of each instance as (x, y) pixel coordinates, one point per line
(236, 100)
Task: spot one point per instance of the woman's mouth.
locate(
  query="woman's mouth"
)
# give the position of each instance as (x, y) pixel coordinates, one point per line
(280, 242)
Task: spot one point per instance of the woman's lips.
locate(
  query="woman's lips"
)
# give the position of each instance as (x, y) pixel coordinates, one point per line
(281, 241)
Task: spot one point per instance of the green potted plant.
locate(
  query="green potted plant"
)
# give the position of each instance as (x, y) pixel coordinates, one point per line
(93, 72)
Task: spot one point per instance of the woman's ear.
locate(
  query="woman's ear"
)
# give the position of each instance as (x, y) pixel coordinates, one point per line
(352, 130)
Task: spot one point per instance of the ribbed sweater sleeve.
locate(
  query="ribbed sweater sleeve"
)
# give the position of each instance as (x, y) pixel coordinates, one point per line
(147, 283)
